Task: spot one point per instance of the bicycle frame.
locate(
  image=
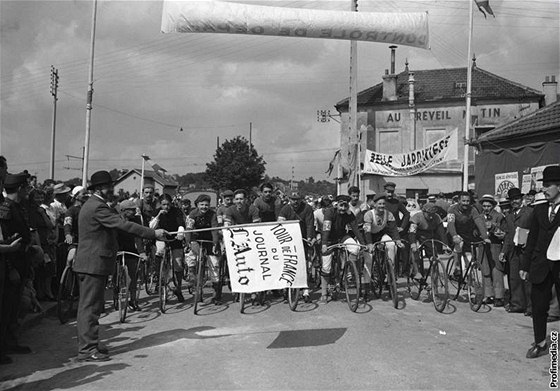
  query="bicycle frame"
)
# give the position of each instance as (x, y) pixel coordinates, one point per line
(122, 283)
(386, 269)
(469, 273)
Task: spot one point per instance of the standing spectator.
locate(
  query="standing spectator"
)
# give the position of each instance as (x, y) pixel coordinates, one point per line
(13, 224)
(356, 205)
(267, 204)
(540, 262)
(492, 266)
(58, 208)
(95, 260)
(149, 204)
(45, 229)
(517, 224)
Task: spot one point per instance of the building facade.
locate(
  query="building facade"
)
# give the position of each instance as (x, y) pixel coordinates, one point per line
(130, 182)
(412, 109)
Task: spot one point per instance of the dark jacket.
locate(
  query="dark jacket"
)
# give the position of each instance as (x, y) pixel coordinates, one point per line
(540, 235)
(521, 219)
(98, 224)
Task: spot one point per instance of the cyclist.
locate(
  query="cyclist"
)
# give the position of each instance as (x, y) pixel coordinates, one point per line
(465, 225)
(227, 201)
(199, 218)
(148, 204)
(242, 213)
(397, 208)
(356, 205)
(424, 226)
(267, 204)
(171, 219)
(134, 244)
(336, 221)
(381, 225)
(299, 210)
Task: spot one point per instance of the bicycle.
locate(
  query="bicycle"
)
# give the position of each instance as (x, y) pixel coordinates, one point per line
(68, 292)
(150, 270)
(345, 277)
(122, 282)
(469, 276)
(166, 276)
(383, 272)
(436, 273)
(206, 270)
(310, 256)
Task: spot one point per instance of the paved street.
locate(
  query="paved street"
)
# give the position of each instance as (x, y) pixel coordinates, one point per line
(318, 347)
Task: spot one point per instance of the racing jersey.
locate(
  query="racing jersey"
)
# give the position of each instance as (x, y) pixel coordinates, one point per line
(198, 220)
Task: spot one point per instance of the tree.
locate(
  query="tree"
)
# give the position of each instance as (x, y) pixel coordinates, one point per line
(236, 165)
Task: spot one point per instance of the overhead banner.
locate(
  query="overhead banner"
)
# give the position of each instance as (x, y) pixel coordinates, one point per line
(505, 181)
(414, 162)
(208, 16)
(265, 256)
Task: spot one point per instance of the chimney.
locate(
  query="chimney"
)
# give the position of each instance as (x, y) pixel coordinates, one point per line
(411, 92)
(550, 89)
(390, 80)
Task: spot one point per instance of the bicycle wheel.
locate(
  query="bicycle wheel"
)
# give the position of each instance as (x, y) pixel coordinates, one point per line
(164, 279)
(67, 295)
(293, 298)
(200, 278)
(122, 289)
(440, 288)
(474, 286)
(414, 285)
(351, 285)
(377, 275)
(242, 302)
(392, 281)
(151, 276)
(140, 279)
(453, 281)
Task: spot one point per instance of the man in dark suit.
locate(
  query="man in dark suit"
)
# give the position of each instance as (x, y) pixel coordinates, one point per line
(95, 260)
(514, 247)
(540, 264)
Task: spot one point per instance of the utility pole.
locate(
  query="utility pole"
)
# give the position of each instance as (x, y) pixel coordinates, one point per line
(292, 180)
(250, 134)
(54, 93)
(89, 96)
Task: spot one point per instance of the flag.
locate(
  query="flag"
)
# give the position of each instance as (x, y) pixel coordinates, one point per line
(334, 160)
(484, 5)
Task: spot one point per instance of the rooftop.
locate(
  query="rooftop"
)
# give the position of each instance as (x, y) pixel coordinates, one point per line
(541, 122)
(447, 84)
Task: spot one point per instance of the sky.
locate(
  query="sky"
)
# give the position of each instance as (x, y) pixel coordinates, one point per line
(148, 85)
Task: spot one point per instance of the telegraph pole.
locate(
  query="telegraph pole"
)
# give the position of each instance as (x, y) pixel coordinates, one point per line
(250, 134)
(54, 93)
(89, 96)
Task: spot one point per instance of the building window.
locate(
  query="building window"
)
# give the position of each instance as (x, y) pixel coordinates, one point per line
(431, 135)
(389, 141)
(417, 193)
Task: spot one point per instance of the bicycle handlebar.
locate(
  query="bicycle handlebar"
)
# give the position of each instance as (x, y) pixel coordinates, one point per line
(445, 246)
(345, 245)
(123, 253)
(389, 241)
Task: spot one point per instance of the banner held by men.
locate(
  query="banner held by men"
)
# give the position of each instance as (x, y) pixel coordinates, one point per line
(209, 16)
(265, 256)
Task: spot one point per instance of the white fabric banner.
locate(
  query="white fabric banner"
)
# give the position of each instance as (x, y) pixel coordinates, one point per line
(414, 162)
(209, 16)
(265, 256)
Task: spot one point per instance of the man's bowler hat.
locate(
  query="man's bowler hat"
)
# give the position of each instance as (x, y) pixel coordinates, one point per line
(100, 178)
(514, 193)
(13, 181)
(551, 174)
